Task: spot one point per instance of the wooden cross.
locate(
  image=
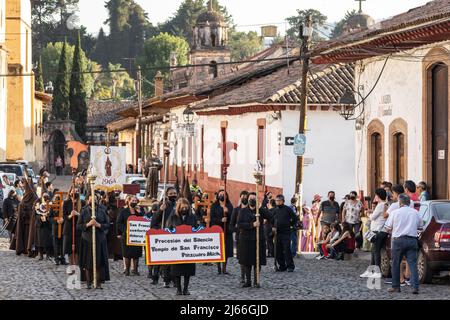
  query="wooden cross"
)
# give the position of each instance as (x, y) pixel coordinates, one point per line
(360, 5)
(57, 206)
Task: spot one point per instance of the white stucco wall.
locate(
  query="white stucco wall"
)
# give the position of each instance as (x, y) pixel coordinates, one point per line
(402, 82)
(330, 146)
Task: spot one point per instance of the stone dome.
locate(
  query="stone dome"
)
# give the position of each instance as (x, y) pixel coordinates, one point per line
(210, 17)
(360, 21)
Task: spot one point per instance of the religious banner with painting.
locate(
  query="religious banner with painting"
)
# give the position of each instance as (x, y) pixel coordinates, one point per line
(137, 228)
(109, 165)
(185, 245)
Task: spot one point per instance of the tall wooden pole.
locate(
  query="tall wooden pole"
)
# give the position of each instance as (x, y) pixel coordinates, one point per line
(74, 202)
(258, 179)
(304, 52)
(139, 118)
(94, 242)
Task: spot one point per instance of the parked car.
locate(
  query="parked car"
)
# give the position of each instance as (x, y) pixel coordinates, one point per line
(12, 167)
(138, 179)
(434, 242)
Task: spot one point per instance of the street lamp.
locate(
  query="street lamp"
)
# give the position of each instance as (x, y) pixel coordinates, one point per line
(188, 116)
(347, 102)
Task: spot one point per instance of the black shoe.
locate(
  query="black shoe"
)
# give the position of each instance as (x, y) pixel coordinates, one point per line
(415, 291)
(154, 282)
(135, 273)
(242, 281)
(127, 273)
(63, 261)
(290, 270)
(41, 258)
(166, 285)
(89, 286)
(149, 276)
(179, 292)
(246, 285)
(186, 292)
(57, 262)
(281, 270)
(255, 285)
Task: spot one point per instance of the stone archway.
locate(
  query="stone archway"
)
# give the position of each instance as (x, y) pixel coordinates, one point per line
(56, 135)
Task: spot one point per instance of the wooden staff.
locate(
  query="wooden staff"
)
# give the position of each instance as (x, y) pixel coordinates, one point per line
(258, 178)
(166, 175)
(94, 242)
(74, 172)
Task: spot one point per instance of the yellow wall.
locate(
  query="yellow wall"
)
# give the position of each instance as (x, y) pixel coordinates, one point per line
(20, 140)
(127, 136)
(3, 87)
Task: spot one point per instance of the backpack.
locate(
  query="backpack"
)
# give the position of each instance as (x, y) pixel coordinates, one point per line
(350, 244)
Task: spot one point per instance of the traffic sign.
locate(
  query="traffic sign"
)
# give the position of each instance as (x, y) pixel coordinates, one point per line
(289, 141)
(299, 145)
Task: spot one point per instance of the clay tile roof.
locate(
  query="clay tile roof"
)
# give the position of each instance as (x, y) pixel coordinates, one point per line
(326, 86)
(423, 16)
(100, 113)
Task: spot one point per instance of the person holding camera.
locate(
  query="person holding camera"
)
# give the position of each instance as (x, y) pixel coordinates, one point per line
(284, 219)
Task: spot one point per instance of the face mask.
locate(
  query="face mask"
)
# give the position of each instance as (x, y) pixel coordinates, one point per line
(280, 206)
(252, 202)
(221, 198)
(82, 197)
(244, 201)
(133, 204)
(184, 211)
(117, 194)
(332, 198)
(155, 208)
(172, 198)
(352, 198)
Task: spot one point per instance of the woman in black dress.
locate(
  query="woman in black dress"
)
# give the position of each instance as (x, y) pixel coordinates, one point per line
(43, 228)
(85, 255)
(183, 216)
(234, 227)
(221, 211)
(114, 244)
(70, 214)
(129, 253)
(247, 239)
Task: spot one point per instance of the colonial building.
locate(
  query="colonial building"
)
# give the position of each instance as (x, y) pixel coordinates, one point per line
(21, 121)
(209, 52)
(3, 79)
(402, 89)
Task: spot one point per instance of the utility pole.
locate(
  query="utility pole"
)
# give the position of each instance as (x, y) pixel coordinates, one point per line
(139, 118)
(305, 31)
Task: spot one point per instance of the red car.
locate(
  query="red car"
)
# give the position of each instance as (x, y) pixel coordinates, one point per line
(434, 242)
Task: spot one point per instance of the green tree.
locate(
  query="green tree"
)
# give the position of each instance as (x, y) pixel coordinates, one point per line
(244, 45)
(39, 83)
(156, 53)
(50, 61)
(49, 24)
(60, 105)
(319, 23)
(101, 50)
(338, 28)
(77, 96)
(117, 85)
(129, 26)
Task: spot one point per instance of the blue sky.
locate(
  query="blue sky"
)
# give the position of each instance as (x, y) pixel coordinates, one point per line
(249, 14)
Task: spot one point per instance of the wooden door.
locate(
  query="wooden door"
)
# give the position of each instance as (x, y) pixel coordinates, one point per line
(440, 132)
(376, 161)
(399, 158)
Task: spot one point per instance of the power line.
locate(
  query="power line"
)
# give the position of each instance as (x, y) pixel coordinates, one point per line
(167, 67)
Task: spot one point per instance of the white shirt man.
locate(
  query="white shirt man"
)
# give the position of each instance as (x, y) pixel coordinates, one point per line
(404, 221)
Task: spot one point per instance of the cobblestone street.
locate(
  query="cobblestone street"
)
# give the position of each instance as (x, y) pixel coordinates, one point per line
(25, 278)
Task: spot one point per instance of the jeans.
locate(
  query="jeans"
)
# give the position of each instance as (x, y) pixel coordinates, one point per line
(376, 250)
(294, 242)
(284, 254)
(409, 247)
